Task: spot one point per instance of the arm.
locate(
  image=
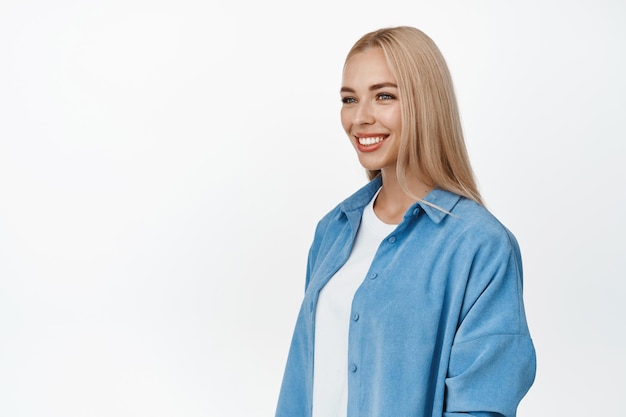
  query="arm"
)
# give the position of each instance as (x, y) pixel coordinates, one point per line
(492, 361)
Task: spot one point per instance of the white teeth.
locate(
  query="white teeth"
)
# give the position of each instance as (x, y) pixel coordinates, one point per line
(370, 141)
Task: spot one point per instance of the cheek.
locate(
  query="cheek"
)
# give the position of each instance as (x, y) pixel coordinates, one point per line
(394, 119)
(345, 120)
(399, 117)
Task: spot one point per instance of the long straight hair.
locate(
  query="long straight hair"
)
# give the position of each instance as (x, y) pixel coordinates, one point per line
(431, 142)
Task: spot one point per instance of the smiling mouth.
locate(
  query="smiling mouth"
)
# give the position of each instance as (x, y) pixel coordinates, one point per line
(369, 141)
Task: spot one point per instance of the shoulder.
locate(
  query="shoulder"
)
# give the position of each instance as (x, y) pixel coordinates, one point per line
(485, 249)
(475, 221)
(474, 216)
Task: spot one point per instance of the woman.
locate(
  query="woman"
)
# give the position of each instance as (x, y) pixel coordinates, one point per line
(413, 302)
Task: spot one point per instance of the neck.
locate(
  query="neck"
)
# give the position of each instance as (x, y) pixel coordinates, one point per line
(392, 201)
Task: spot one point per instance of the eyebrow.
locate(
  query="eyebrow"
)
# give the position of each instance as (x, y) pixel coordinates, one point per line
(372, 87)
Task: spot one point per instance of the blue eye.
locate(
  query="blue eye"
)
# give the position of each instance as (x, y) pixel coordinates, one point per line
(385, 96)
(348, 100)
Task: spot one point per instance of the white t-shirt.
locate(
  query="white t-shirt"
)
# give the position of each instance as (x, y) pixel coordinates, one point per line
(332, 318)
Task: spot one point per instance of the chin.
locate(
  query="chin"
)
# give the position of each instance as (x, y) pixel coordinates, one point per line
(374, 166)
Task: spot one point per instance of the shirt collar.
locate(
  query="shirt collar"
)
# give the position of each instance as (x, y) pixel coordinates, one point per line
(445, 200)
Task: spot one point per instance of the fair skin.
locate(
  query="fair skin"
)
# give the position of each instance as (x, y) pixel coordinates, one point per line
(371, 116)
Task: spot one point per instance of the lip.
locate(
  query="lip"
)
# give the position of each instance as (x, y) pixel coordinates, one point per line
(369, 147)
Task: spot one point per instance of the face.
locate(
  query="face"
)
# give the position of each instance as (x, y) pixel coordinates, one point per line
(370, 113)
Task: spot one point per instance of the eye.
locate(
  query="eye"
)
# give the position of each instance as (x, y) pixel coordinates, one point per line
(385, 96)
(348, 100)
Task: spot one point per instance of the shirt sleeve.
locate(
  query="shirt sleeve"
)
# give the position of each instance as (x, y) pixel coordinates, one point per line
(492, 360)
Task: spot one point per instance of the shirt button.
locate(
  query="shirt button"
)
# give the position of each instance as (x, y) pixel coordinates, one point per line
(415, 211)
(374, 275)
(392, 239)
(355, 317)
(353, 368)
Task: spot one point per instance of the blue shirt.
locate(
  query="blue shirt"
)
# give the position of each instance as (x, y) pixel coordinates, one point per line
(437, 326)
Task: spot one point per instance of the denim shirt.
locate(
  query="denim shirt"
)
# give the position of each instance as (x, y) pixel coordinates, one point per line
(437, 326)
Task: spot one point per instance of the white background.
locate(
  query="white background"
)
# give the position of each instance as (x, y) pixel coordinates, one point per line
(163, 165)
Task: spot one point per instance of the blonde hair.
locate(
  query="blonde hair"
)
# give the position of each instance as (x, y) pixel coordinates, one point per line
(431, 142)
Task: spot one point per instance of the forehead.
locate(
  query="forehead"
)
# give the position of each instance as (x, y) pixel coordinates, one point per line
(367, 68)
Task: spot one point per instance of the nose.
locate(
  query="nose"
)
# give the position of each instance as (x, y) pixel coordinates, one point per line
(363, 114)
